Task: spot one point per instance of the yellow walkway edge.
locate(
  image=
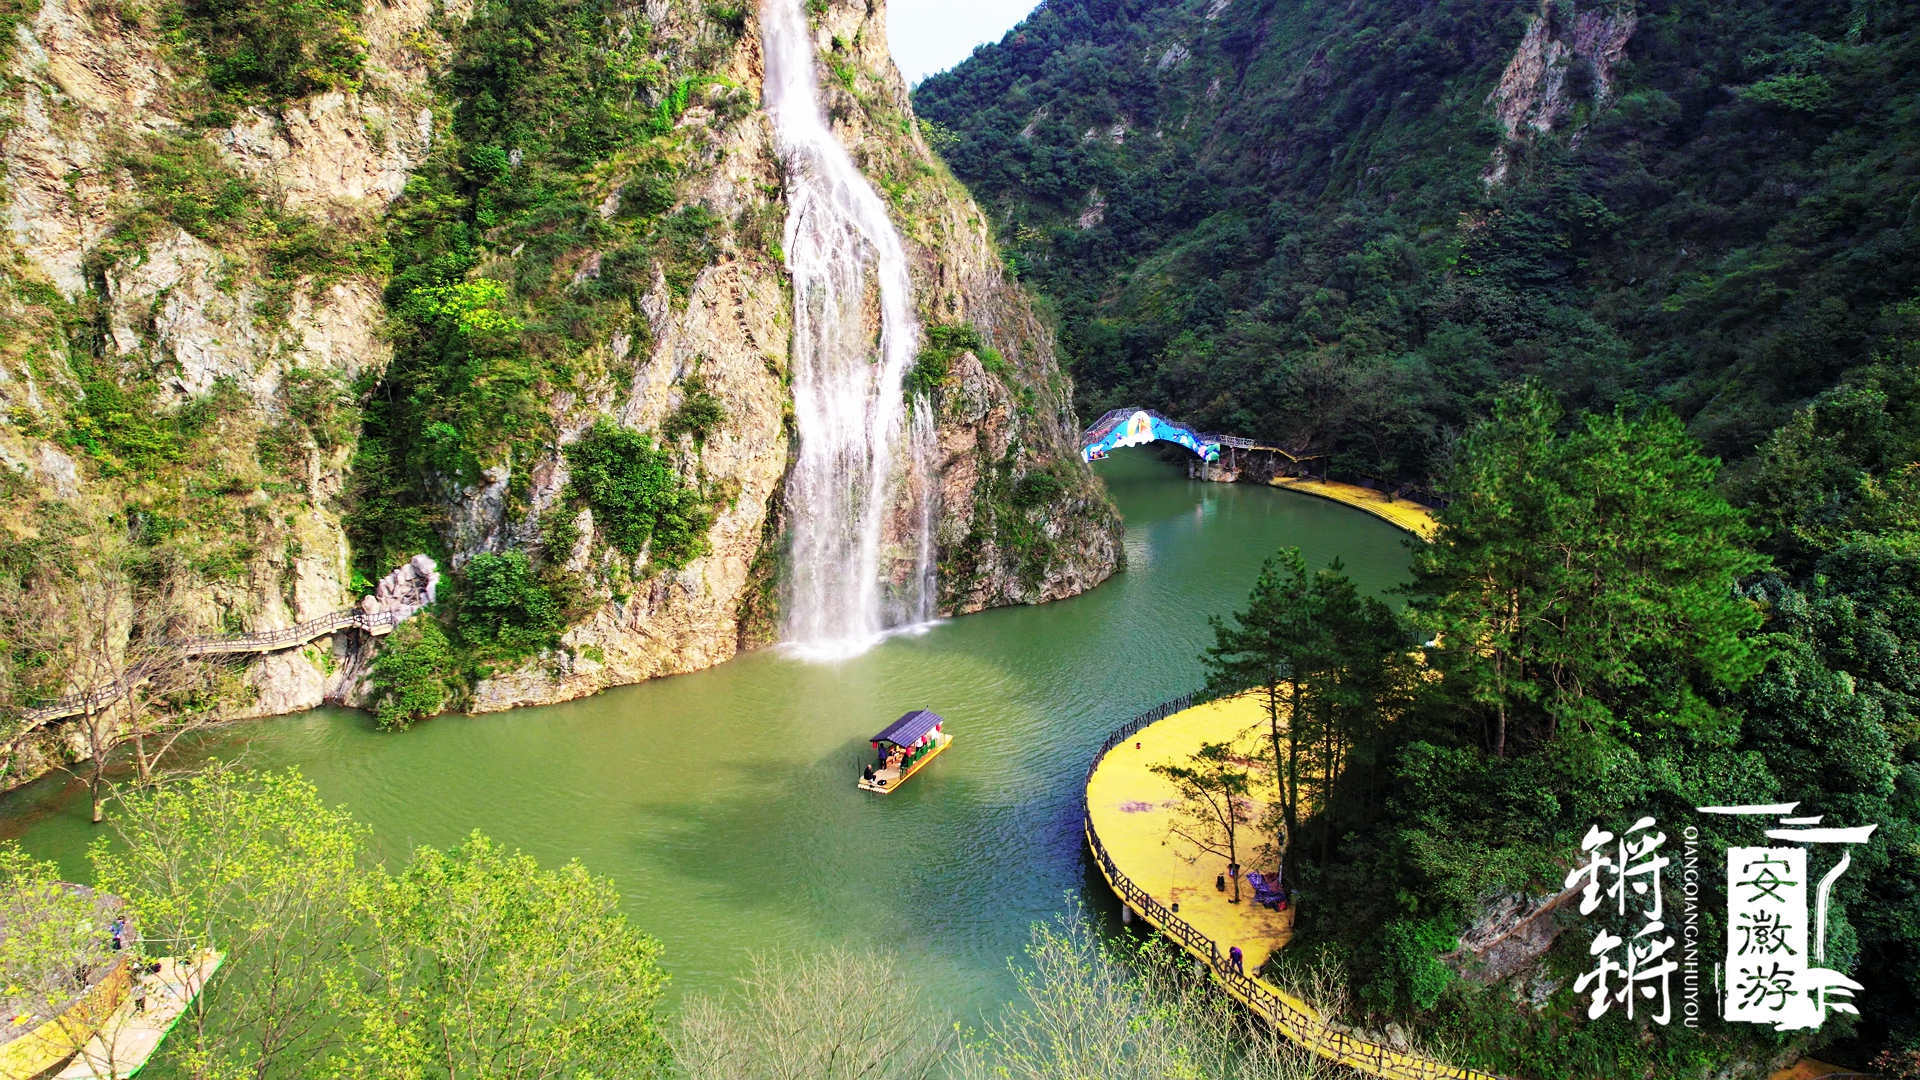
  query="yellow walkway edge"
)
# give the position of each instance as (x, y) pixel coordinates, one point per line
(1292, 1016)
(1403, 514)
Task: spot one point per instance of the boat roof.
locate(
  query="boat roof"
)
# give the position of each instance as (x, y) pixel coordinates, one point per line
(909, 727)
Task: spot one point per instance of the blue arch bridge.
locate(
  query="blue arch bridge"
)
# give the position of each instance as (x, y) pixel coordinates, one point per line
(1134, 426)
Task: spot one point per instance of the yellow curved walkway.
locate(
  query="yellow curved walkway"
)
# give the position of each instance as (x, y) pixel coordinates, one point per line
(1134, 808)
(1403, 513)
(1129, 811)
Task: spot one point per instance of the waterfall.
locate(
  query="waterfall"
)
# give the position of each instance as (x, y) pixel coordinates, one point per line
(850, 577)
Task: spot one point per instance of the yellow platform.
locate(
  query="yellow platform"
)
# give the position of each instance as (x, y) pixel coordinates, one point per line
(1134, 807)
(1129, 809)
(1403, 513)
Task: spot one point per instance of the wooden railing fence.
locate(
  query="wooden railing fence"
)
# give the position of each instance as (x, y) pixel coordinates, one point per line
(1294, 1018)
(376, 623)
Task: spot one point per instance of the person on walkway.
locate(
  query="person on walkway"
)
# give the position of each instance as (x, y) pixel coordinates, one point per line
(118, 929)
(1234, 961)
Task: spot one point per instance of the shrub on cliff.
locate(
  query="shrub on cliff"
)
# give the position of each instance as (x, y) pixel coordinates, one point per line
(506, 609)
(411, 676)
(636, 496)
(699, 414)
(258, 51)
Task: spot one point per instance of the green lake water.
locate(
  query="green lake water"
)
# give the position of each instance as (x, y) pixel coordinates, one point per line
(723, 805)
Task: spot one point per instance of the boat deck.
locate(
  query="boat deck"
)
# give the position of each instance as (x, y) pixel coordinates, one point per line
(888, 780)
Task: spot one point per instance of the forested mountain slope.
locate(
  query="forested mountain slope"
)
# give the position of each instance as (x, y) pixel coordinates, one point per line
(1340, 225)
(1500, 245)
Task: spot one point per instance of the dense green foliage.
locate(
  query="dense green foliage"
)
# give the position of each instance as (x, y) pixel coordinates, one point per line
(944, 342)
(408, 677)
(1324, 660)
(1841, 699)
(1294, 240)
(471, 961)
(1605, 641)
(488, 964)
(636, 497)
(503, 603)
(699, 414)
(52, 932)
(1304, 222)
(273, 51)
(1585, 582)
(509, 608)
(202, 860)
(544, 95)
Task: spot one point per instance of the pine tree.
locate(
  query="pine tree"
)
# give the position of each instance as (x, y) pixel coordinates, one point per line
(1266, 647)
(1583, 586)
(1321, 656)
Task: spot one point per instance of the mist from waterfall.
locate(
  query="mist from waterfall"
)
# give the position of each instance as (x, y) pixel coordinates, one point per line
(850, 577)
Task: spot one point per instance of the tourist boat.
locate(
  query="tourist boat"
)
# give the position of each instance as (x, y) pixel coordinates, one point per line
(902, 748)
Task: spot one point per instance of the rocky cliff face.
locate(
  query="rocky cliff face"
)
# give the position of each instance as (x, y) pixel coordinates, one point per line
(1022, 520)
(995, 428)
(198, 310)
(153, 312)
(1565, 60)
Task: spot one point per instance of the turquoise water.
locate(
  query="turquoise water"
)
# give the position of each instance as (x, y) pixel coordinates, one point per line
(722, 803)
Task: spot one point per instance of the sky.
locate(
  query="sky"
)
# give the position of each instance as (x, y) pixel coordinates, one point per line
(933, 35)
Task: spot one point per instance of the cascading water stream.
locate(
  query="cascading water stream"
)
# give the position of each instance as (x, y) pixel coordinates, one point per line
(851, 576)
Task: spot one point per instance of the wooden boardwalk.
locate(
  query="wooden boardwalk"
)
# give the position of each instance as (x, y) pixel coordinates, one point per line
(377, 624)
(1134, 809)
(1130, 863)
(129, 1038)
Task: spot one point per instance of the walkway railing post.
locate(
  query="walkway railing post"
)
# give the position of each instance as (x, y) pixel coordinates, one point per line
(1311, 1032)
(299, 633)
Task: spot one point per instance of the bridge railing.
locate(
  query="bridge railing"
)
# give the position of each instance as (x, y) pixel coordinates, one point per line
(261, 640)
(1105, 424)
(1293, 1018)
(1100, 428)
(252, 641)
